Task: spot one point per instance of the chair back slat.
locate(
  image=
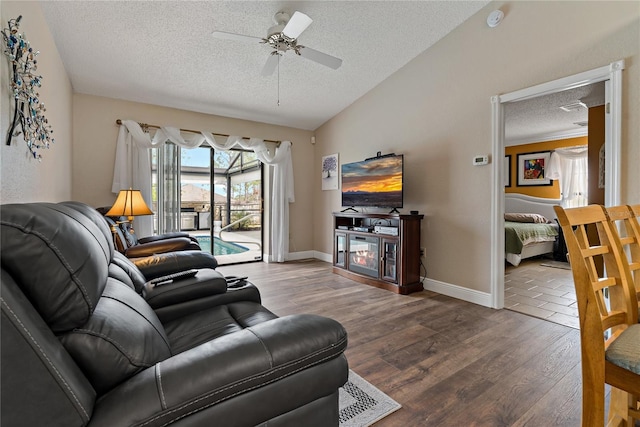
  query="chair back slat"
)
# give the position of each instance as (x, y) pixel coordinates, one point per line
(603, 282)
(625, 221)
(613, 319)
(589, 282)
(627, 240)
(595, 251)
(607, 306)
(634, 225)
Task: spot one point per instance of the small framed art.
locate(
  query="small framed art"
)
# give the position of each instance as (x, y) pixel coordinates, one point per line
(532, 168)
(330, 172)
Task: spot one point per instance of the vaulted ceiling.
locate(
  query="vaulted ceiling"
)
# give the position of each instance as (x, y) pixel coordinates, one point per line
(164, 53)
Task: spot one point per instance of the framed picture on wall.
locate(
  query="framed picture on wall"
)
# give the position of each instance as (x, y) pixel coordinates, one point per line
(532, 168)
(507, 170)
(330, 172)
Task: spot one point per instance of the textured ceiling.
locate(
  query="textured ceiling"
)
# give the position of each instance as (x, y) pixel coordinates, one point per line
(541, 118)
(163, 53)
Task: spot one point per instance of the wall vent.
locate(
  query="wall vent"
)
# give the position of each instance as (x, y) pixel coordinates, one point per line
(573, 106)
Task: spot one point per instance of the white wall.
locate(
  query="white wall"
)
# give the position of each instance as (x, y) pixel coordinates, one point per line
(436, 110)
(24, 179)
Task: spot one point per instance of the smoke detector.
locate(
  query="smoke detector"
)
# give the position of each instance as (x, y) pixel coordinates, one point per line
(494, 18)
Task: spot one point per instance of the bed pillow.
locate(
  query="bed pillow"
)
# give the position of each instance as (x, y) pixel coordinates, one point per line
(526, 217)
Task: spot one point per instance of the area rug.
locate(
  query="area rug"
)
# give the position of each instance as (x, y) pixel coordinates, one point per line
(557, 264)
(361, 404)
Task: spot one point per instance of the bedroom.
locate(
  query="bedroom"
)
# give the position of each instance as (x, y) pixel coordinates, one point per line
(565, 132)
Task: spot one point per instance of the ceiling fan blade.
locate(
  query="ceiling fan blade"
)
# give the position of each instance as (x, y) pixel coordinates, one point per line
(296, 25)
(270, 65)
(232, 36)
(320, 58)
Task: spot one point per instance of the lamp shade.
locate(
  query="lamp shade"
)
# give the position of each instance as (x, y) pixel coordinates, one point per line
(129, 203)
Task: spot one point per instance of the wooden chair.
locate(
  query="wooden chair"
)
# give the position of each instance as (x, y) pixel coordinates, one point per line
(625, 221)
(609, 332)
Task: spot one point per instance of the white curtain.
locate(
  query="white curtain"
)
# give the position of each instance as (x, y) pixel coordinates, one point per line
(570, 167)
(133, 169)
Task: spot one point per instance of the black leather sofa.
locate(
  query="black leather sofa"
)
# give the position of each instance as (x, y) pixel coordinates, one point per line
(81, 346)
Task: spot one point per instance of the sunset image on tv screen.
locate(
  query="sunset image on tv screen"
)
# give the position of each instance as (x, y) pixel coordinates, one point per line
(374, 182)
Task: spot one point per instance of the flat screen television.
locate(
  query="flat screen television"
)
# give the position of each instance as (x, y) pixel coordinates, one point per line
(375, 182)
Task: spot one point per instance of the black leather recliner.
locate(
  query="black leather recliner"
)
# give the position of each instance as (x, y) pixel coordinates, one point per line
(132, 246)
(80, 346)
(151, 262)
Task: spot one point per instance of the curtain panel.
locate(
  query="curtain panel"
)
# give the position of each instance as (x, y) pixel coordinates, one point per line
(132, 169)
(570, 167)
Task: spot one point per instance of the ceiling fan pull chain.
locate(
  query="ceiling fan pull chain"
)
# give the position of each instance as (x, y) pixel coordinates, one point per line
(278, 79)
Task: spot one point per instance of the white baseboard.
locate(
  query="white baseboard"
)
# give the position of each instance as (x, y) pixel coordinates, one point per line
(295, 256)
(323, 257)
(458, 292)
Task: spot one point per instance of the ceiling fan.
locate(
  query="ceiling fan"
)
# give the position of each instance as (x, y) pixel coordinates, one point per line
(283, 37)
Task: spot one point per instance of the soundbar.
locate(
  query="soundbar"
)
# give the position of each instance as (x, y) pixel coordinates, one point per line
(381, 229)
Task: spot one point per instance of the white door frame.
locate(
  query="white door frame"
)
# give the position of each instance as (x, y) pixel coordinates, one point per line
(613, 124)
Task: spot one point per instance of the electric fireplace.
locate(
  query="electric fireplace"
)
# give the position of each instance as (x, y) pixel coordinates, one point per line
(364, 255)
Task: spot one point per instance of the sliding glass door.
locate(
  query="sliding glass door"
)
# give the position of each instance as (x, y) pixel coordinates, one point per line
(215, 196)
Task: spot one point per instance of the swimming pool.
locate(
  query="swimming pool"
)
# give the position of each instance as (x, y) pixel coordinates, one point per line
(220, 247)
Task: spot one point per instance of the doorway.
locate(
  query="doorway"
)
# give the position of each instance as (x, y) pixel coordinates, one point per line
(216, 196)
(612, 76)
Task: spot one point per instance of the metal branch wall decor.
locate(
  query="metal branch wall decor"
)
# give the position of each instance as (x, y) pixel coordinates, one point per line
(29, 111)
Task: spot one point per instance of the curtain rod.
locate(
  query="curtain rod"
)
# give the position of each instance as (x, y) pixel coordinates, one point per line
(147, 126)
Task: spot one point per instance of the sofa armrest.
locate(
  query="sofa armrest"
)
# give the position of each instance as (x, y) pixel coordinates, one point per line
(171, 262)
(205, 283)
(246, 292)
(164, 237)
(233, 367)
(159, 246)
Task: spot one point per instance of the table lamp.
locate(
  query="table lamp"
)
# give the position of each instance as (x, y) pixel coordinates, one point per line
(129, 203)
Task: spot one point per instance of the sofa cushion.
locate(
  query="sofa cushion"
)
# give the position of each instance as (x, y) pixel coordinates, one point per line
(206, 325)
(122, 337)
(56, 256)
(40, 381)
(97, 219)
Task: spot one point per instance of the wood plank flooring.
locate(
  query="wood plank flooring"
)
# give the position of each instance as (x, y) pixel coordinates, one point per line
(448, 362)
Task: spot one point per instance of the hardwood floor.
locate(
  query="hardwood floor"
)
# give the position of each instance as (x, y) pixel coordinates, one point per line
(448, 362)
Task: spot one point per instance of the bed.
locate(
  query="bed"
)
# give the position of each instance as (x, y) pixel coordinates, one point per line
(531, 228)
